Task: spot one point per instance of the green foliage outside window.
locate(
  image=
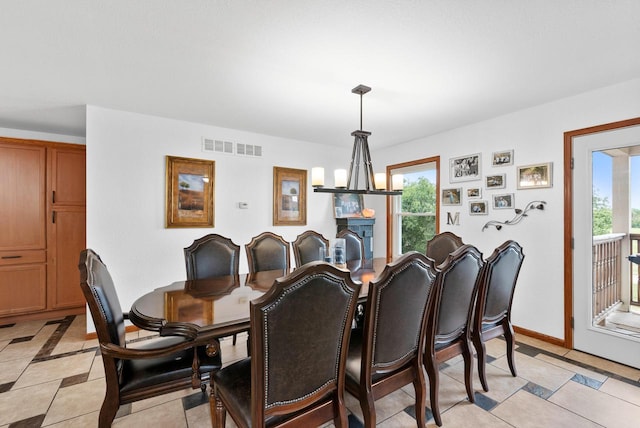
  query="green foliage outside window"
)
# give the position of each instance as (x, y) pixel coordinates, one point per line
(418, 197)
(635, 220)
(602, 215)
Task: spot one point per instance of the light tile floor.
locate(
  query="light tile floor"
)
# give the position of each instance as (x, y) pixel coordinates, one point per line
(51, 376)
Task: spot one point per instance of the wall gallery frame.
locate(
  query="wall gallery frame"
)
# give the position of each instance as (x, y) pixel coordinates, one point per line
(465, 168)
(189, 200)
(452, 196)
(502, 158)
(535, 176)
(474, 193)
(289, 196)
(478, 208)
(503, 201)
(496, 181)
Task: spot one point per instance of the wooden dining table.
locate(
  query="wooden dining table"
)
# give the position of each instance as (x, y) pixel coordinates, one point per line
(219, 307)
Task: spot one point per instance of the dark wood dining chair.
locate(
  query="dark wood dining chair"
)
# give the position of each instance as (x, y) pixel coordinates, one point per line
(492, 317)
(299, 339)
(441, 245)
(387, 353)
(268, 251)
(306, 247)
(449, 319)
(158, 366)
(210, 256)
(354, 245)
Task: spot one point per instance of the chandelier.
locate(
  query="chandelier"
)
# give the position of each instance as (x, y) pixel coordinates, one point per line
(374, 184)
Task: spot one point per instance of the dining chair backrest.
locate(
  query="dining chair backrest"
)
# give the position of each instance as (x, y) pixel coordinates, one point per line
(102, 299)
(449, 319)
(455, 293)
(441, 245)
(268, 251)
(354, 245)
(387, 354)
(498, 282)
(210, 256)
(492, 317)
(300, 330)
(395, 311)
(306, 247)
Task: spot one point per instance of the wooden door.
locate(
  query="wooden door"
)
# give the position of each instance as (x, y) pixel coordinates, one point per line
(66, 229)
(22, 206)
(22, 228)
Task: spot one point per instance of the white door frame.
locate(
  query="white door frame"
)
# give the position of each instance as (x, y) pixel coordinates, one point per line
(579, 146)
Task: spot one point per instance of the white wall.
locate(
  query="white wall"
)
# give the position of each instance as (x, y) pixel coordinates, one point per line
(126, 193)
(536, 135)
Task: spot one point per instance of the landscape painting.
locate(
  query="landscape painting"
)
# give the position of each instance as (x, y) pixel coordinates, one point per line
(189, 198)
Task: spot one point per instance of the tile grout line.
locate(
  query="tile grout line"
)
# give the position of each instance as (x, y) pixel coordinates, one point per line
(54, 339)
(582, 365)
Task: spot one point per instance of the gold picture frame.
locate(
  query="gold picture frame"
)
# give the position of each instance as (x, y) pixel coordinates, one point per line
(289, 196)
(190, 185)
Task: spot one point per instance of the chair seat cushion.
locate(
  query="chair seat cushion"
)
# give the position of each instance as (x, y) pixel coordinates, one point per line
(143, 373)
(234, 384)
(489, 326)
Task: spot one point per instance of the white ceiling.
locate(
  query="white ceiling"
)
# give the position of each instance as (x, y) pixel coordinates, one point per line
(286, 68)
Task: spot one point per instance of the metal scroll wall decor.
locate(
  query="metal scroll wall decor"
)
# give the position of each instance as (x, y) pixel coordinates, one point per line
(520, 214)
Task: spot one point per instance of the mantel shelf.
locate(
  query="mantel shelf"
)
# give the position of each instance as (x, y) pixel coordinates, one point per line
(359, 192)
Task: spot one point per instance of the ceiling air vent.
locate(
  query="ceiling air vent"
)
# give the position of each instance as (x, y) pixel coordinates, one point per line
(218, 146)
(248, 150)
(208, 145)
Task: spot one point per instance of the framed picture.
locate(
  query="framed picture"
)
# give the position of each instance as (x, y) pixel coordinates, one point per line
(347, 205)
(478, 208)
(451, 196)
(474, 193)
(502, 158)
(465, 168)
(535, 176)
(289, 196)
(189, 200)
(503, 201)
(496, 181)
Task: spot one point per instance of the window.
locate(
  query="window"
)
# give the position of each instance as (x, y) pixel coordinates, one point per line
(414, 215)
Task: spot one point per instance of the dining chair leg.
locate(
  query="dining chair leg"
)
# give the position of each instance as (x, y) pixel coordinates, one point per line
(511, 342)
(108, 412)
(420, 387)
(367, 403)
(341, 420)
(468, 369)
(481, 352)
(432, 371)
(217, 409)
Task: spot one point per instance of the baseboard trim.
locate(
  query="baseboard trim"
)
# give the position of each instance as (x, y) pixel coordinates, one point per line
(540, 336)
(127, 329)
(45, 315)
